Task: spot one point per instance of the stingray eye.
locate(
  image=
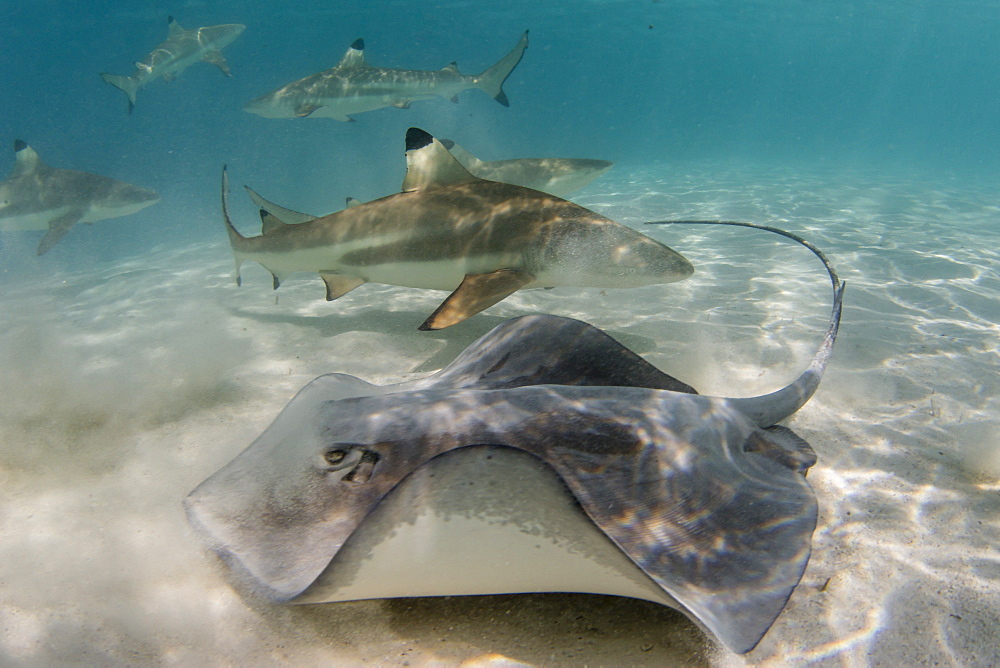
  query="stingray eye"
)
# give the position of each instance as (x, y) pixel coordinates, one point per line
(334, 457)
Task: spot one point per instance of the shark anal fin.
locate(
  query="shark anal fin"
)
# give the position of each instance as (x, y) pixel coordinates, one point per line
(216, 58)
(338, 285)
(58, 228)
(476, 292)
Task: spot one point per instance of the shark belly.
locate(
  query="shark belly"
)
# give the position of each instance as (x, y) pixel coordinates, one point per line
(440, 273)
(32, 221)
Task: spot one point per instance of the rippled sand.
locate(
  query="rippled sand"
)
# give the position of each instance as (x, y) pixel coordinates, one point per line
(127, 385)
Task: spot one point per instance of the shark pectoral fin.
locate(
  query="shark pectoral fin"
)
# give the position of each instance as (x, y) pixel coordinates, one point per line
(216, 58)
(281, 213)
(338, 285)
(304, 110)
(57, 230)
(477, 292)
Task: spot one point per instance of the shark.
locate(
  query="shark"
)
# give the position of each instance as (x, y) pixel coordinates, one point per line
(545, 457)
(353, 86)
(38, 197)
(449, 230)
(180, 50)
(556, 176)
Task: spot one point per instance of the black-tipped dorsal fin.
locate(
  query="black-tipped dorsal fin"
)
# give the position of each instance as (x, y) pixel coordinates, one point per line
(428, 163)
(451, 67)
(270, 223)
(355, 56)
(173, 27)
(25, 159)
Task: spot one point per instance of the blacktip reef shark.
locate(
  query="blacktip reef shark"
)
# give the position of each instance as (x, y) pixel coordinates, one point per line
(38, 197)
(180, 50)
(353, 86)
(449, 230)
(556, 176)
(545, 457)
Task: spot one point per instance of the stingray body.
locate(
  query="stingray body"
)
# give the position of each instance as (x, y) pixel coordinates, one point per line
(180, 50)
(353, 86)
(703, 498)
(449, 230)
(38, 197)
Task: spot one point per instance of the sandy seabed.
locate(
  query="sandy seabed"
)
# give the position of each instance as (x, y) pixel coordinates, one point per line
(126, 385)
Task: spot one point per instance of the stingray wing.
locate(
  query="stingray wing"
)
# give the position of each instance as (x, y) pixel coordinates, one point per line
(682, 485)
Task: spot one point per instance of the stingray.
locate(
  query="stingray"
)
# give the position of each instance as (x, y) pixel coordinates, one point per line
(545, 457)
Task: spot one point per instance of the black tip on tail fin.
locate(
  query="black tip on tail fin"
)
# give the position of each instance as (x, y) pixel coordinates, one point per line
(19, 145)
(417, 139)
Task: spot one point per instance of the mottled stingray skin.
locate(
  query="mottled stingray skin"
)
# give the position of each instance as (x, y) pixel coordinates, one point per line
(704, 494)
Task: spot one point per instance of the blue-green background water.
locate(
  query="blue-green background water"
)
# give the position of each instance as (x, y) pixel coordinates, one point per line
(885, 86)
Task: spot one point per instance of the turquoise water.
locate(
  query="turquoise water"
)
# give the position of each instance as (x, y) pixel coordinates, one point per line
(894, 85)
(135, 367)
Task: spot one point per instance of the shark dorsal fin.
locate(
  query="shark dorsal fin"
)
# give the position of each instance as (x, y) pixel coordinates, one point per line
(451, 67)
(270, 223)
(468, 160)
(173, 27)
(355, 56)
(25, 159)
(428, 163)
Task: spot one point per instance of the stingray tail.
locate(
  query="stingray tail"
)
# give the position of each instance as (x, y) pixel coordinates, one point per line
(492, 79)
(127, 85)
(770, 409)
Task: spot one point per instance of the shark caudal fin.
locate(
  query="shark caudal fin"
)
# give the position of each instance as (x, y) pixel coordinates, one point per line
(492, 79)
(235, 238)
(127, 85)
